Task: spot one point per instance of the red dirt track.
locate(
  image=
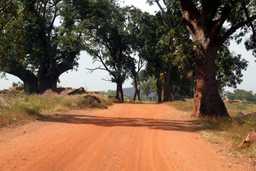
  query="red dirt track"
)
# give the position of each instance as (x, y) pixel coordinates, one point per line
(125, 137)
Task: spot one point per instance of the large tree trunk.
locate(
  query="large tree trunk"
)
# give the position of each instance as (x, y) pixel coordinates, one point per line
(168, 93)
(47, 83)
(30, 85)
(207, 99)
(28, 78)
(119, 92)
(205, 30)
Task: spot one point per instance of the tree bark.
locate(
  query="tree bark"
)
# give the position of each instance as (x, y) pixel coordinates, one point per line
(207, 99)
(28, 78)
(30, 85)
(47, 83)
(119, 92)
(168, 94)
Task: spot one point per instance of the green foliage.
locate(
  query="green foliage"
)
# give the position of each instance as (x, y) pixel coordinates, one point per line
(42, 47)
(229, 68)
(148, 86)
(242, 95)
(229, 65)
(162, 41)
(106, 38)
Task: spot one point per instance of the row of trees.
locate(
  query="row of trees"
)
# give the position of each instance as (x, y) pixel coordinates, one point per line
(242, 95)
(184, 46)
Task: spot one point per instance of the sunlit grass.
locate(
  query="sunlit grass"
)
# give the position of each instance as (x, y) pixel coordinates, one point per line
(232, 130)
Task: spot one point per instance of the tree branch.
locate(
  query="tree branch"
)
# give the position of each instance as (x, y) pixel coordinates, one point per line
(160, 6)
(97, 68)
(189, 10)
(237, 26)
(250, 24)
(217, 24)
(105, 66)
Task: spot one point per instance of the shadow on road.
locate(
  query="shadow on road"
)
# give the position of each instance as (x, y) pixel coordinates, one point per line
(172, 125)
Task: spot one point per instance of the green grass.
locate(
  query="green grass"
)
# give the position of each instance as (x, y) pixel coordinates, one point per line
(18, 109)
(227, 131)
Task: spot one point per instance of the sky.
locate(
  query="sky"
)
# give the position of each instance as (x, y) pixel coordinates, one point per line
(95, 81)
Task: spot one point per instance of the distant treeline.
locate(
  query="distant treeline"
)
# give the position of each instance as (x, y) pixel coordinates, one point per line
(242, 95)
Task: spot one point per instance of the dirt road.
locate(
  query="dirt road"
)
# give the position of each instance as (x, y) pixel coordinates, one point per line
(126, 137)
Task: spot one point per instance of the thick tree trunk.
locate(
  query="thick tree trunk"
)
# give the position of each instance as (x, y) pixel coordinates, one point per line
(30, 85)
(136, 90)
(168, 93)
(205, 32)
(159, 89)
(119, 92)
(47, 83)
(28, 78)
(207, 99)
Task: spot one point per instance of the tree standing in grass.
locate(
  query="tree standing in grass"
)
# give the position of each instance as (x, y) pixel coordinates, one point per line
(205, 20)
(46, 43)
(107, 40)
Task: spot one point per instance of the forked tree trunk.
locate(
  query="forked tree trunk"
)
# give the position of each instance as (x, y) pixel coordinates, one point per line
(207, 99)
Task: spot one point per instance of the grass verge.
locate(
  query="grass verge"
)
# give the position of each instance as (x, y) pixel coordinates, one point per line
(18, 109)
(230, 132)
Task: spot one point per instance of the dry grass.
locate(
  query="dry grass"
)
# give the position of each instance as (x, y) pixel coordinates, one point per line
(185, 105)
(18, 109)
(228, 131)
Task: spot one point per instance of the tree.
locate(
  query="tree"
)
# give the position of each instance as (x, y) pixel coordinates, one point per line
(44, 47)
(164, 48)
(148, 84)
(135, 67)
(136, 42)
(107, 40)
(205, 20)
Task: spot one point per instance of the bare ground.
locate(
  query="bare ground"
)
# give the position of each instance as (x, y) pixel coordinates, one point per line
(125, 137)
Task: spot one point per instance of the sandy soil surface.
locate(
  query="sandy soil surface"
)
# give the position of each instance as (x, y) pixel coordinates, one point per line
(125, 137)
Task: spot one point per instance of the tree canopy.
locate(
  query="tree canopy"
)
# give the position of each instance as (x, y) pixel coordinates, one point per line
(46, 43)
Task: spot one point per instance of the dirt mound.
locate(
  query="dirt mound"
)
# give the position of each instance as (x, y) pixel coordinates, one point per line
(78, 91)
(91, 100)
(66, 91)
